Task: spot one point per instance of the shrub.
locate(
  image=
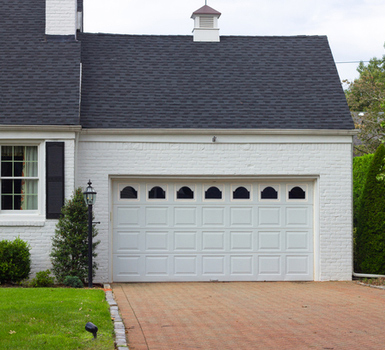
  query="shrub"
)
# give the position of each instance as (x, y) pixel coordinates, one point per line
(15, 260)
(73, 281)
(42, 279)
(69, 254)
(369, 249)
(360, 170)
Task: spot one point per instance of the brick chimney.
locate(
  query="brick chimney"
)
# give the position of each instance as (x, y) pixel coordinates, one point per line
(206, 24)
(63, 17)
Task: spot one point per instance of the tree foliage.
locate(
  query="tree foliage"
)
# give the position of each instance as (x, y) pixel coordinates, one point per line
(69, 254)
(360, 170)
(366, 99)
(369, 251)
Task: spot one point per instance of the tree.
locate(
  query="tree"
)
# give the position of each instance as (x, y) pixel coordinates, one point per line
(366, 97)
(369, 250)
(69, 254)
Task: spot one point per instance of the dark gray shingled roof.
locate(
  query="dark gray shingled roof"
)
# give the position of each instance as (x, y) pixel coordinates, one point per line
(142, 81)
(39, 79)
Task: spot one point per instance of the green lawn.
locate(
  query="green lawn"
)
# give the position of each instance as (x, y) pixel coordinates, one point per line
(54, 318)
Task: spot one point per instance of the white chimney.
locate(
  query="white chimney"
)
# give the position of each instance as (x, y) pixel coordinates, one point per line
(206, 24)
(61, 17)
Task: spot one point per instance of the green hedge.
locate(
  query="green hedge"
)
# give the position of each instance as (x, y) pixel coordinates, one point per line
(15, 260)
(360, 170)
(369, 249)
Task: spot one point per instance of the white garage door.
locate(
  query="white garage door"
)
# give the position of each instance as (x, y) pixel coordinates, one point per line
(213, 230)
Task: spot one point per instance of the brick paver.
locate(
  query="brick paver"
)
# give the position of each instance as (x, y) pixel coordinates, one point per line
(252, 315)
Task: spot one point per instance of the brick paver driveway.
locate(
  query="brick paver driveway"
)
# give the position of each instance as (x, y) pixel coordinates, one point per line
(252, 315)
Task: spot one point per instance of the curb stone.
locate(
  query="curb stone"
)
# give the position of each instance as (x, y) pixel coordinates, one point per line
(119, 329)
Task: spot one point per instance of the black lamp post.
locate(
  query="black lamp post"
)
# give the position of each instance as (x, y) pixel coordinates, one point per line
(90, 199)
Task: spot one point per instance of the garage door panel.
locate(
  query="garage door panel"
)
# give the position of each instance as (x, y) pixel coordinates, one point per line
(298, 216)
(157, 240)
(185, 265)
(126, 241)
(157, 265)
(241, 216)
(213, 240)
(213, 265)
(269, 265)
(298, 265)
(298, 240)
(241, 240)
(269, 216)
(242, 265)
(185, 217)
(269, 240)
(128, 216)
(213, 216)
(185, 241)
(157, 216)
(126, 267)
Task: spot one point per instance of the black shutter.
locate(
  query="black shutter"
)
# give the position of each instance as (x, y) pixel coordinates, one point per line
(54, 164)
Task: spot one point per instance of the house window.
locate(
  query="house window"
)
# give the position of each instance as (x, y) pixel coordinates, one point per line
(128, 193)
(19, 178)
(157, 193)
(185, 193)
(213, 193)
(241, 193)
(297, 193)
(269, 193)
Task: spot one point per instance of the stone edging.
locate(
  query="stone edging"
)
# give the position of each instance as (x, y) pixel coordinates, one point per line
(119, 329)
(371, 285)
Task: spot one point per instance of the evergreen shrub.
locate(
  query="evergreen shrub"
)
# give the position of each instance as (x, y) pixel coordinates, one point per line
(360, 170)
(42, 279)
(69, 255)
(15, 260)
(369, 246)
(73, 281)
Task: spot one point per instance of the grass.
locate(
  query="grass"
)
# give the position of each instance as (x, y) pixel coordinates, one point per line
(54, 318)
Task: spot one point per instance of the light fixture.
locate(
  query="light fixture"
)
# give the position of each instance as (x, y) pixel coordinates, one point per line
(90, 199)
(90, 327)
(214, 138)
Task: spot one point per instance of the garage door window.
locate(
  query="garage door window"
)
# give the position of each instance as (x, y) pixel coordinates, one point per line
(269, 193)
(185, 192)
(241, 193)
(297, 193)
(157, 192)
(128, 193)
(213, 193)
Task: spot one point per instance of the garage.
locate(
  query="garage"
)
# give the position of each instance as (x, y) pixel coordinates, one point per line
(170, 230)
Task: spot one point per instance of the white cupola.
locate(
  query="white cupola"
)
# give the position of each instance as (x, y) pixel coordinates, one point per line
(206, 24)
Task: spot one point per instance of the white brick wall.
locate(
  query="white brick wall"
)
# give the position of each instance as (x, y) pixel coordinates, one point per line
(329, 163)
(60, 17)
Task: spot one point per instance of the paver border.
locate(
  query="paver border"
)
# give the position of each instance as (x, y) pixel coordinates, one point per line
(119, 329)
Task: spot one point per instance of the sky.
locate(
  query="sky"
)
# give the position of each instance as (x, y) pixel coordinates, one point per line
(355, 28)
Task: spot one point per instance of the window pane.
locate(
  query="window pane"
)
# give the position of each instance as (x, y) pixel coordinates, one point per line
(241, 193)
(7, 186)
(157, 193)
(185, 193)
(18, 169)
(297, 193)
(6, 202)
(6, 168)
(6, 153)
(269, 193)
(29, 202)
(128, 193)
(18, 152)
(30, 169)
(17, 202)
(29, 187)
(213, 193)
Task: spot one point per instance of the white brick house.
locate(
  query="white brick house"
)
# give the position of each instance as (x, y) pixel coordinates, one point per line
(214, 158)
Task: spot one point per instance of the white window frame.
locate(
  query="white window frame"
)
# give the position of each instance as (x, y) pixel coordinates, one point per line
(16, 215)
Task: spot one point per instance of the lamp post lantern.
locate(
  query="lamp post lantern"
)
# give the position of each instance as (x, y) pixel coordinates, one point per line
(90, 199)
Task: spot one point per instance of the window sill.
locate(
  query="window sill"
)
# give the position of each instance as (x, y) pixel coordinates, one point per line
(21, 220)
